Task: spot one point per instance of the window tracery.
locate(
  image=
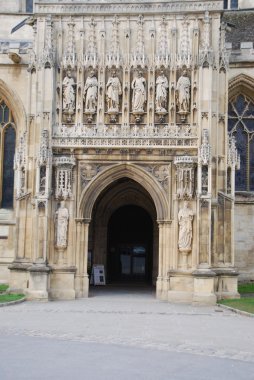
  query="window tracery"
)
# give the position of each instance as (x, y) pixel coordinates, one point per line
(241, 126)
(7, 151)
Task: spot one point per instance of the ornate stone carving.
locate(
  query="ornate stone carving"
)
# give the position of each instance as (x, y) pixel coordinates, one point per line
(185, 177)
(185, 219)
(161, 93)
(113, 57)
(138, 94)
(32, 55)
(63, 178)
(45, 151)
(114, 90)
(205, 149)
(91, 93)
(233, 159)
(183, 95)
(126, 136)
(91, 56)
(125, 7)
(69, 96)
(20, 166)
(185, 43)
(69, 58)
(162, 56)
(44, 161)
(61, 225)
(48, 56)
(160, 172)
(138, 55)
(206, 35)
(89, 170)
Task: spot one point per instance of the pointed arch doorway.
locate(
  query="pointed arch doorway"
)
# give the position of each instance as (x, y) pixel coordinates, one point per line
(130, 246)
(123, 235)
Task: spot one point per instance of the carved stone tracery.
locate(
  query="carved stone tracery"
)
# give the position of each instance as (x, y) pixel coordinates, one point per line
(20, 165)
(44, 161)
(160, 172)
(185, 177)
(63, 177)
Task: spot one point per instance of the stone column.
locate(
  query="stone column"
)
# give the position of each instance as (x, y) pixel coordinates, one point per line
(162, 284)
(159, 281)
(81, 257)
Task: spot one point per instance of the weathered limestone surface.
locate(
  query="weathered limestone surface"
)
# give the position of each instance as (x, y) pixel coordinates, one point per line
(117, 105)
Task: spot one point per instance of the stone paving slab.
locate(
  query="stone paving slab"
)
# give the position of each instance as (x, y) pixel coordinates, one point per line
(41, 359)
(135, 320)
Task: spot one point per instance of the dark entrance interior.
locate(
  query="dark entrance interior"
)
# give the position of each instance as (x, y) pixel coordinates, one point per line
(130, 244)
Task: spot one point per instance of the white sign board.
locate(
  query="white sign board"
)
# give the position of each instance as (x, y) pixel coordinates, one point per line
(98, 275)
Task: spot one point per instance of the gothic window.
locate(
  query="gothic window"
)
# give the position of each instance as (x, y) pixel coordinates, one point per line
(230, 4)
(7, 151)
(29, 6)
(241, 125)
(234, 4)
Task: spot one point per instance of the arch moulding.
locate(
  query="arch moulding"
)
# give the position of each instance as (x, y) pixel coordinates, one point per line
(104, 179)
(242, 83)
(14, 103)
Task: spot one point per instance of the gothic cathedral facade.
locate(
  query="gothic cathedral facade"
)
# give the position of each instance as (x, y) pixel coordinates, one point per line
(121, 146)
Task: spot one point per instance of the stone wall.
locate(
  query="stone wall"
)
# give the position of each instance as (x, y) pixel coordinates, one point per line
(13, 6)
(244, 238)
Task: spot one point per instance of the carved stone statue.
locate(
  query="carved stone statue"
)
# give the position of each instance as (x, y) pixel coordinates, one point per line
(161, 93)
(61, 225)
(68, 92)
(114, 90)
(185, 218)
(183, 93)
(139, 93)
(90, 93)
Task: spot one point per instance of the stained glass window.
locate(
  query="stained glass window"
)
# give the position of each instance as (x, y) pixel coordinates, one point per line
(29, 6)
(7, 151)
(241, 125)
(234, 4)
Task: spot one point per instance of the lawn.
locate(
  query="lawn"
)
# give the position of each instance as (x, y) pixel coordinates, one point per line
(247, 287)
(244, 304)
(3, 287)
(10, 297)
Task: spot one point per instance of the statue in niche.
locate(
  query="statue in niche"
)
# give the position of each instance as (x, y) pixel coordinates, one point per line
(68, 92)
(91, 93)
(139, 93)
(183, 93)
(185, 218)
(161, 93)
(114, 90)
(61, 224)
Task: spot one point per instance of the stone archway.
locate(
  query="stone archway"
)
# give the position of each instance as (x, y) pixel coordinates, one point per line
(15, 104)
(157, 206)
(123, 194)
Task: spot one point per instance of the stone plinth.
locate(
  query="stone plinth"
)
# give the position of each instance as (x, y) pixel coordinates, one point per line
(19, 277)
(180, 286)
(81, 286)
(226, 283)
(204, 287)
(62, 283)
(38, 282)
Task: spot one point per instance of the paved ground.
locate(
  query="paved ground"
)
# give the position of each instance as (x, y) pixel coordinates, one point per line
(124, 334)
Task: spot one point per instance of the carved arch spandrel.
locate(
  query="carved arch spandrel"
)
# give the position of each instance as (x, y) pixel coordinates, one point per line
(15, 104)
(112, 174)
(241, 83)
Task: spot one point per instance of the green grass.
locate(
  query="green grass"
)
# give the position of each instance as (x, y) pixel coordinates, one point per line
(3, 287)
(10, 297)
(247, 287)
(244, 304)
